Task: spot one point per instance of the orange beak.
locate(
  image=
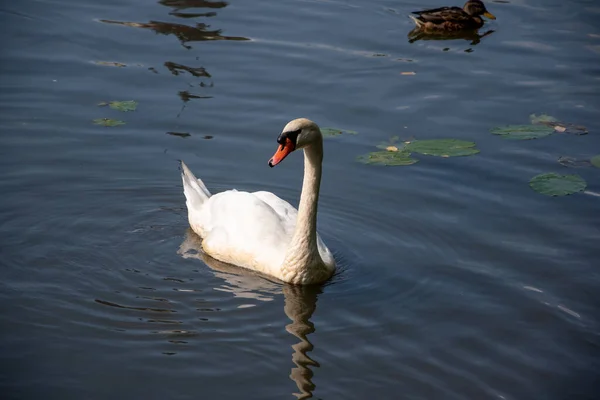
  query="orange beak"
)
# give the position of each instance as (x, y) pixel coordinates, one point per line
(281, 153)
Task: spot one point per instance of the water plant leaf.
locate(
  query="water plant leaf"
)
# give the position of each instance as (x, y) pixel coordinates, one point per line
(108, 122)
(443, 147)
(390, 158)
(570, 129)
(522, 132)
(391, 144)
(127, 105)
(180, 134)
(543, 119)
(567, 161)
(560, 127)
(110, 63)
(551, 184)
(334, 132)
(596, 161)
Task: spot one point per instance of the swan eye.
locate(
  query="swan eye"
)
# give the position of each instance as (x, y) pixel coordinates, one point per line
(292, 135)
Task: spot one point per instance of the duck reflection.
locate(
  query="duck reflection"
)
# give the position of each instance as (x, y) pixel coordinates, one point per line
(300, 303)
(473, 36)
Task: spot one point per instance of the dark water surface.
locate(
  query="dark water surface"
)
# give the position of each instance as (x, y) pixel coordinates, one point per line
(456, 280)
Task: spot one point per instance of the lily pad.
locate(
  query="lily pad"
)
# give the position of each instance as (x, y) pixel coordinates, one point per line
(522, 132)
(596, 161)
(108, 122)
(128, 105)
(552, 184)
(543, 119)
(443, 147)
(334, 132)
(391, 158)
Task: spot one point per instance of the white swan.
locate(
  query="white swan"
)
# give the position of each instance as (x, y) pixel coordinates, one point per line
(260, 231)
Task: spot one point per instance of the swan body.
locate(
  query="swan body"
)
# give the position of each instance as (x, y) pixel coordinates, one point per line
(259, 230)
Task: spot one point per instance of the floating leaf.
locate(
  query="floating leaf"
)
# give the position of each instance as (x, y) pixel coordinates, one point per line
(391, 158)
(110, 63)
(128, 105)
(102, 104)
(180, 134)
(390, 144)
(543, 119)
(573, 162)
(333, 132)
(443, 147)
(558, 126)
(552, 184)
(596, 161)
(108, 122)
(522, 132)
(571, 129)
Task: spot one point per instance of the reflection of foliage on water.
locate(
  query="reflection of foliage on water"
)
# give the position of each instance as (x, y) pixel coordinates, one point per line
(184, 33)
(198, 72)
(185, 4)
(187, 96)
(196, 32)
(176, 68)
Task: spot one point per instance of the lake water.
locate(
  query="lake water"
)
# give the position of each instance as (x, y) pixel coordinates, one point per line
(455, 281)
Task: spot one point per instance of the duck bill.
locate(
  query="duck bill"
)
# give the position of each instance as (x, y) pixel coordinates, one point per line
(281, 153)
(489, 15)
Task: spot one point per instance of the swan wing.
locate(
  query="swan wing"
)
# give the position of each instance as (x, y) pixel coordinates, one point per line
(243, 229)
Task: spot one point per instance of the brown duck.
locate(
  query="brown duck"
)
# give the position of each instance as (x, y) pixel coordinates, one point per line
(452, 19)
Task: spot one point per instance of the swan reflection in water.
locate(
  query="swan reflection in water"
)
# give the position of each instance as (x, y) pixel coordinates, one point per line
(416, 34)
(300, 303)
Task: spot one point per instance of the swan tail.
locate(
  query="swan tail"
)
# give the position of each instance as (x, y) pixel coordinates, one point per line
(194, 189)
(417, 21)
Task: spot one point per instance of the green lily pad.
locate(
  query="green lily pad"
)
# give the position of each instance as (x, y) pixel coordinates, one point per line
(596, 161)
(522, 132)
(552, 184)
(543, 119)
(443, 147)
(390, 158)
(128, 105)
(108, 122)
(334, 132)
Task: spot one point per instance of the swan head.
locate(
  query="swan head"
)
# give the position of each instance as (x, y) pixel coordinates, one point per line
(297, 134)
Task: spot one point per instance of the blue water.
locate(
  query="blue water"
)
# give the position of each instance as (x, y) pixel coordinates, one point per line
(455, 281)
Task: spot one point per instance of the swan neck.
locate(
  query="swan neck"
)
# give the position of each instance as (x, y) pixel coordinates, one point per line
(303, 251)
